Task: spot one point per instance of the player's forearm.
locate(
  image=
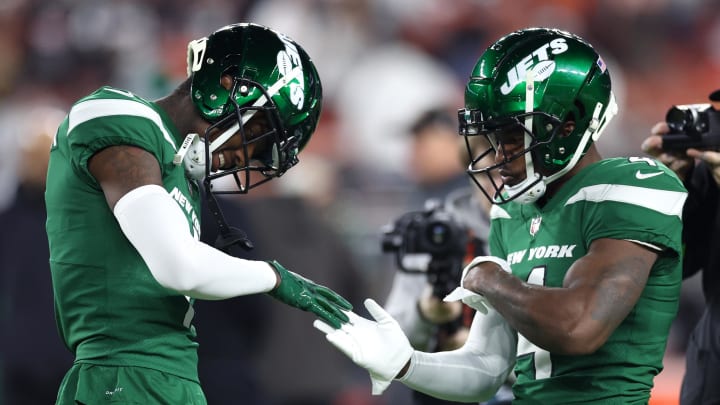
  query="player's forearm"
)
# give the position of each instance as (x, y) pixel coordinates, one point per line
(538, 313)
(156, 227)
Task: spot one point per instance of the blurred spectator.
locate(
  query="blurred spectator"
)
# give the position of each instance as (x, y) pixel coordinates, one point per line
(382, 96)
(33, 360)
(434, 162)
(336, 32)
(380, 99)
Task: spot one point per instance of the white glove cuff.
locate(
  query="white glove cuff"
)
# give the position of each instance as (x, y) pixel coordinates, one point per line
(482, 259)
(474, 300)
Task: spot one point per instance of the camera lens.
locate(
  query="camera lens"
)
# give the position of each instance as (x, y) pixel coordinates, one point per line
(438, 234)
(680, 119)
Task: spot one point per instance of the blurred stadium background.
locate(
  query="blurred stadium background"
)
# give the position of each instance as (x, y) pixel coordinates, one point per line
(383, 63)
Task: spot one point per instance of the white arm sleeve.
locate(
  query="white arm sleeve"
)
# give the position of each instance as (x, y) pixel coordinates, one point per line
(473, 372)
(156, 226)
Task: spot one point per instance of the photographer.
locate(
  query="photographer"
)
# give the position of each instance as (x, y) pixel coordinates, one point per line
(415, 299)
(431, 247)
(437, 169)
(451, 233)
(694, 132)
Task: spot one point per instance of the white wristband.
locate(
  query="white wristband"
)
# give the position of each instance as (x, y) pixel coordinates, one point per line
(471, 298)
(482, 259)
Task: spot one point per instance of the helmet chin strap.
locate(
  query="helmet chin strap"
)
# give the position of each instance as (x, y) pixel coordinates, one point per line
(192, 151)
(228, 236)
(192, 154)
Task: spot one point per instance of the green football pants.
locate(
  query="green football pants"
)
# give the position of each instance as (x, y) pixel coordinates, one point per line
(90, 384)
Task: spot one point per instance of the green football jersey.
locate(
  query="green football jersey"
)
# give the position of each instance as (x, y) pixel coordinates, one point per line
(634, 199)
(109, 308)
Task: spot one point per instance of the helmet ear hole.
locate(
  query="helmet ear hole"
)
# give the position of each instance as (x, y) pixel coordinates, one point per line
(226, 81)
(568, 127)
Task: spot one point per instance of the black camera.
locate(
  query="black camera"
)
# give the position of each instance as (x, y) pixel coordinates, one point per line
(693, 126)
(429, 241)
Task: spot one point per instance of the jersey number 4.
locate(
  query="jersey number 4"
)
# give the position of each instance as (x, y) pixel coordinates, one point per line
(540, 357)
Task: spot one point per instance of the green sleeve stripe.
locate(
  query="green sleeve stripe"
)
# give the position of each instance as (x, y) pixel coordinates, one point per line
(91, 109)
(662, 201)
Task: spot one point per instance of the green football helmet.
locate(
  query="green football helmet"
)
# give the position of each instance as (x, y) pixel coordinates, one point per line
(528, 84)
(273, 81)
(275, 90)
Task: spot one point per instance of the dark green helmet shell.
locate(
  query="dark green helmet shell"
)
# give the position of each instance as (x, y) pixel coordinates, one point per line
(260, 55)
(570, 79)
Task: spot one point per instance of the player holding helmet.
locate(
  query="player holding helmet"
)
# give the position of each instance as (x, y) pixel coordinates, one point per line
(123, 198)
(584, 277)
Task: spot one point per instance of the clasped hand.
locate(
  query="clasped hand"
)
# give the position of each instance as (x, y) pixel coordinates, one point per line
(304, 294)
(378, 346)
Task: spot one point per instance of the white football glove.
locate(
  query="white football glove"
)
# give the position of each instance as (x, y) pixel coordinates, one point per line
(470, 298)
(378, 346)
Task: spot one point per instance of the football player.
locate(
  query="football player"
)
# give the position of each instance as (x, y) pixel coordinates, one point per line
(584, 275)
(123, 198)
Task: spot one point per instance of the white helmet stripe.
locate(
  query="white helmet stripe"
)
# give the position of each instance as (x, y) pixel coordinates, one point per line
(529, 107)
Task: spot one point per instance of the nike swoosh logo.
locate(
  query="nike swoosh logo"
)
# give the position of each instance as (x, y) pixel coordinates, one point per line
(642, 176)
(124, 93)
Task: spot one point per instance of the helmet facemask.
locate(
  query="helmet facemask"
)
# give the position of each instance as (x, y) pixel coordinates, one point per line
(275, 150)
(510, 138)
